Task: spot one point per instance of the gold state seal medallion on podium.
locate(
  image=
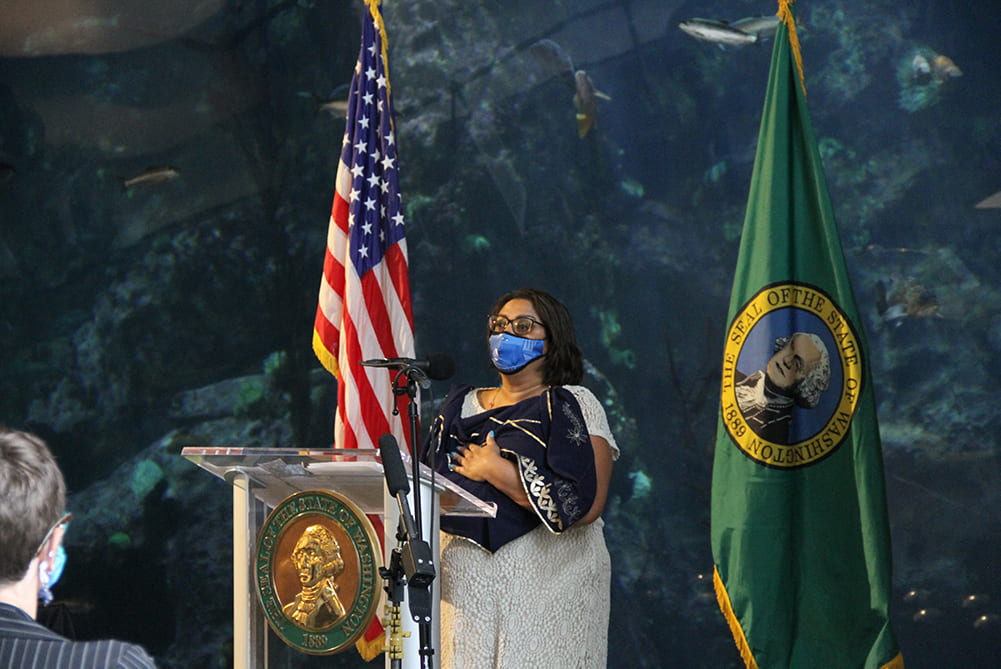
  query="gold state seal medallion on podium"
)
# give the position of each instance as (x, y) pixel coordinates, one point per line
(317, 571)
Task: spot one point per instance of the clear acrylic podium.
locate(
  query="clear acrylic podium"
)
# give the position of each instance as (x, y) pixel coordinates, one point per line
(262, 477)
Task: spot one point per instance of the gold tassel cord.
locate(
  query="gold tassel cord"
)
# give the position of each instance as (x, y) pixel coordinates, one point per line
(785, 15)
(373, 8)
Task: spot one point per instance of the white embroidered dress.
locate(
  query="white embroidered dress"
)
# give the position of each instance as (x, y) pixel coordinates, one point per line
(541, 600)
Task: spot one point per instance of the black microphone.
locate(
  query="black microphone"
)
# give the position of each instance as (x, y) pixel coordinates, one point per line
(392, 466)
(416, 558)
(437, 366)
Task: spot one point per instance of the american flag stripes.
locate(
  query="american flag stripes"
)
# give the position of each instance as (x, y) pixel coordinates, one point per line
(364, 308)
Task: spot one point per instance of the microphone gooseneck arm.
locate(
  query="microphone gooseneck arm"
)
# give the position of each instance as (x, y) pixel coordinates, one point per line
(437, 366)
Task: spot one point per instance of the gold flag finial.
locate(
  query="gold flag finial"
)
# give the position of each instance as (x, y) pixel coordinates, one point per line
(785, 15)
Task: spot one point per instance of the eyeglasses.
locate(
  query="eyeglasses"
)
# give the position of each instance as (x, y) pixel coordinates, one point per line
(63, 522)
(521, 325)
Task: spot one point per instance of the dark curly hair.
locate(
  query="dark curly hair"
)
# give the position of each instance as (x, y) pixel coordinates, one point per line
(563, 363)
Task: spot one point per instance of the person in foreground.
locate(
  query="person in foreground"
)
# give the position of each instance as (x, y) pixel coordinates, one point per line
(32, 524)
(529, 588)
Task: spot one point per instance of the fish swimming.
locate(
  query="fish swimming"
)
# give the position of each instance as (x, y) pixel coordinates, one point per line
(336, 103)
(152, 176)
(944, 69)
(901, 298)
(920, 69)
(335, 107)
(930, 68)
(762, 27)
(585, 101)
(717, 32)
(990, 202)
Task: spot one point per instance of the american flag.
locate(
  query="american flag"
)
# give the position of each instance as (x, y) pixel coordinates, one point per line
(364, 308)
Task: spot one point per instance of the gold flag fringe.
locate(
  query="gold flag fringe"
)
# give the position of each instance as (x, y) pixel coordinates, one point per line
(738, 632)
(327, 359)
(785, 15)
(369, 650)
(895, 663)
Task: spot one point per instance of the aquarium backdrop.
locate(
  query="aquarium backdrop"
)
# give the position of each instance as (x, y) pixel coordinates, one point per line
(166, 174)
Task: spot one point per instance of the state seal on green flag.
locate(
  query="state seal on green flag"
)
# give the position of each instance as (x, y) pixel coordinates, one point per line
(800, 531)
(792, 375)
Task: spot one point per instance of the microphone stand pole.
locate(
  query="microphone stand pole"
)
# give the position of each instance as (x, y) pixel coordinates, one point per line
(393, 575)
(420, 594)
(413, 411)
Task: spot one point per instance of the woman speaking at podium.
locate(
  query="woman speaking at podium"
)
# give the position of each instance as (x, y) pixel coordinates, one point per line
(529, 588)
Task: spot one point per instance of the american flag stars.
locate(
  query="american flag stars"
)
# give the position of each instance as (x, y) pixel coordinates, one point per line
(364, 308)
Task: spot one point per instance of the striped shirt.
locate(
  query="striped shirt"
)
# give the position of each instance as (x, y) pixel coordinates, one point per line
(27, 645)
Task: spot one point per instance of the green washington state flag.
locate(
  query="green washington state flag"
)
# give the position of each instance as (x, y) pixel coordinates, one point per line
(800, 535)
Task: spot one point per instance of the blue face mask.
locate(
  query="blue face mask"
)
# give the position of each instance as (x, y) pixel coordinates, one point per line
(509, 354)
(49, 579)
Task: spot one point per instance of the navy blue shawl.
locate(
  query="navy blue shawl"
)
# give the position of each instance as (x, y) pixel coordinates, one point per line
(546, 438)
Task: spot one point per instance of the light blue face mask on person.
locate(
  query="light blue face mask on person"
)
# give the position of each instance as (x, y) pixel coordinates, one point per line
(47, 578)
(509, 354)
